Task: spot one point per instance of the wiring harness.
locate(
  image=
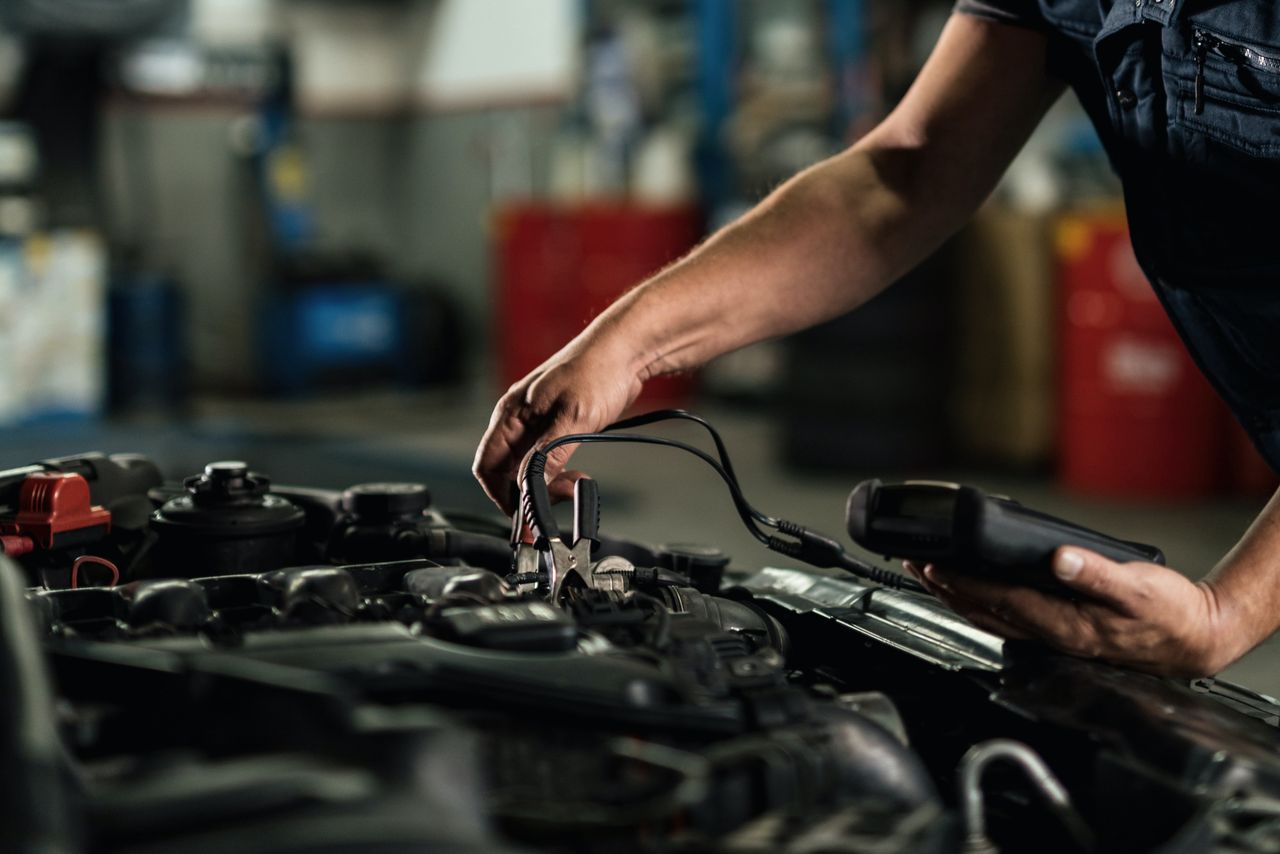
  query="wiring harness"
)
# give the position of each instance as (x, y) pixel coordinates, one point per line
(779, 535)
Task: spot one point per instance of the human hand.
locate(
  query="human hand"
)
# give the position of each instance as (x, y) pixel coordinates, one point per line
(583, 388)
(1140, 615)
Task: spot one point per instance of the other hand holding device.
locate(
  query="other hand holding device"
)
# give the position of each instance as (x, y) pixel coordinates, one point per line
(966, 530)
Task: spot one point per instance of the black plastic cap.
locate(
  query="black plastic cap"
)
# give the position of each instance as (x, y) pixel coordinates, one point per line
(227, 501)
(386, 501)
(227, 482)
(703, 565)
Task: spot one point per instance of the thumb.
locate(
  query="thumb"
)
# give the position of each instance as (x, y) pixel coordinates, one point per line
(565, 423)
(1093, 575)
(554, 460)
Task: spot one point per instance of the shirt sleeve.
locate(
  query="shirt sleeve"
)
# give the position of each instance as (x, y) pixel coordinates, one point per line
(1022, 13)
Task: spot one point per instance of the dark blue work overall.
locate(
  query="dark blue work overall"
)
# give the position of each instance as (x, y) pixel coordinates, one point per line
(1185, 95)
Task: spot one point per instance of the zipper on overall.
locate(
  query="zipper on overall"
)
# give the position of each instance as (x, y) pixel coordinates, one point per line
(1240, 54)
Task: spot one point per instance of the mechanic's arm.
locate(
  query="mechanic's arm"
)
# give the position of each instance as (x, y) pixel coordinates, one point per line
(821, 244)
(1141, 615)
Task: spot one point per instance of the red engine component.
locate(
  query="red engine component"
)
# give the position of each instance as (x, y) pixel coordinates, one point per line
(54, 510)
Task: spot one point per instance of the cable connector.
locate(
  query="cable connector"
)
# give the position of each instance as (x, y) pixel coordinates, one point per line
(811, 547)
(817, 549)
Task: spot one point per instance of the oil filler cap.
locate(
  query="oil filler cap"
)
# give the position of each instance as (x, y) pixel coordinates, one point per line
(228, 500)
(386, 502)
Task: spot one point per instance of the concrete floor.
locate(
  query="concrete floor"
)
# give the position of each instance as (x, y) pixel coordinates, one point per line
(659, 495)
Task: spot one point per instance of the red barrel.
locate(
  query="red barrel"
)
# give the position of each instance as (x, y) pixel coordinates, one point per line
(557, 267)
(1248, 473)
(1137, 418)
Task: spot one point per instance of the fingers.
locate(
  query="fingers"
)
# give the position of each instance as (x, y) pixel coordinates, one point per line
(579, 390)
(558, 458)
(991, 623)
(503, 445)
(523, 420)
(1135, 614)
(1029, 611)
(997, 596)
(559, 481)
(1098, 578)
(979, 613)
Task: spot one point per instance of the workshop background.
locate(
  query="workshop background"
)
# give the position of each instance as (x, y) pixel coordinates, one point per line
(324, 236)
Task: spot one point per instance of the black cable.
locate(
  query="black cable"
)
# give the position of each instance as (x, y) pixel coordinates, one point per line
(685, 415)
(662, 630)
(721, 449)
(817, 549)
(537, 504)
(808, 546)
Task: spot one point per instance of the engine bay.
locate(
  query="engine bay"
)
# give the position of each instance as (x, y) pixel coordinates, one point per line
(230, 664)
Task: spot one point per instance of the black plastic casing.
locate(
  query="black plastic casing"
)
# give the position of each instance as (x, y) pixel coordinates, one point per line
(226, 523)
(973, 532)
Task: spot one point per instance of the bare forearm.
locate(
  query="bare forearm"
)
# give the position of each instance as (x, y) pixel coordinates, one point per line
(838, 233)
(1245, 585)
(820, 245)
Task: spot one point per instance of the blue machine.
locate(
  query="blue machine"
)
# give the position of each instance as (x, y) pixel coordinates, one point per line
(326, 334)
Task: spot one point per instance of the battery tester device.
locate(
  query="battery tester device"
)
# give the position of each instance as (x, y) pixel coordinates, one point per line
(966, 530)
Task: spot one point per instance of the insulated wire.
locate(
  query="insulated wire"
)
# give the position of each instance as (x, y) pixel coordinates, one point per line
(98, 561)
(746, 512)
(685, 415)
(724, 468)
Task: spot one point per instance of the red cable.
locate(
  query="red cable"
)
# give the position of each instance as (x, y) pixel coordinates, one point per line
(100, 561)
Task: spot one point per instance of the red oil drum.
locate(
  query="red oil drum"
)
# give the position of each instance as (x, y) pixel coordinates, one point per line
(1248, 473)
(1136, 416)
(557, 267)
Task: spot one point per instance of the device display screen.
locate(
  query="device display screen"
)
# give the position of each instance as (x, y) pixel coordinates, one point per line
(917, 502)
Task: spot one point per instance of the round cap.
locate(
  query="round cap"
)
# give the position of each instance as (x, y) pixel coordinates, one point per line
(386, 501)
(228, 500)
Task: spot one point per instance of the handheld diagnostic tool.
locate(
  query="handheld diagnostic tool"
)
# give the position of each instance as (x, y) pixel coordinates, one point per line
(964, 529)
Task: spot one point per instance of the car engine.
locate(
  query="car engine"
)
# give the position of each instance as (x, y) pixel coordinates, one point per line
(226, 664)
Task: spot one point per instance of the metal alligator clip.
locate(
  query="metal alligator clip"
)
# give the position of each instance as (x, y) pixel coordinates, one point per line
(571, 564)
(527, 568)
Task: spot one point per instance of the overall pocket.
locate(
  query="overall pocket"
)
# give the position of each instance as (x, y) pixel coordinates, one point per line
(1234, 95)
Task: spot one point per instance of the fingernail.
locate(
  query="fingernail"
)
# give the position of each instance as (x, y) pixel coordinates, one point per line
(1068, 565)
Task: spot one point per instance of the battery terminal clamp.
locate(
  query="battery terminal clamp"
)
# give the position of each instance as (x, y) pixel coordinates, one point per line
(569, 563)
